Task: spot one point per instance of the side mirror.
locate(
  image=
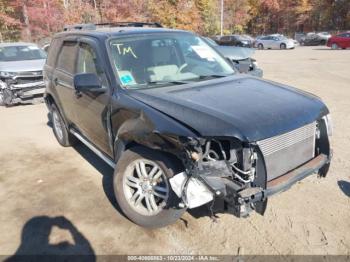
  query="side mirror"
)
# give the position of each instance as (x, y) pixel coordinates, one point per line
(88, 82)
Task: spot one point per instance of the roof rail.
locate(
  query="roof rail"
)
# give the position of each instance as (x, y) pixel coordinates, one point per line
(80, 27)
(110, 24)
(129, 24)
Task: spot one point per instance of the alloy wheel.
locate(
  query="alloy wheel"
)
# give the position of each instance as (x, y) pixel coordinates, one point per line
(57, 125)
(2, 100)
(145, 187)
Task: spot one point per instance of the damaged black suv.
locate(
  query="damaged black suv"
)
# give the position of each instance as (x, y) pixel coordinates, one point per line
(181, 128)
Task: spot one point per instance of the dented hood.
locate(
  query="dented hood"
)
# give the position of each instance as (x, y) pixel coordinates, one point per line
(234, 52)
(244, 107)
(22, 66)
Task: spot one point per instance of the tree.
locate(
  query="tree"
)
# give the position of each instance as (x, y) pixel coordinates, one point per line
(9, 26)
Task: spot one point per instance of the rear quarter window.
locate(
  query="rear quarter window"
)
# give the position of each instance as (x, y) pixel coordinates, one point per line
(67, 56)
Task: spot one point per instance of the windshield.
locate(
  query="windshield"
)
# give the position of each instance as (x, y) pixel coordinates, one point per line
(20, 53)
(144, 61)
(210, 41)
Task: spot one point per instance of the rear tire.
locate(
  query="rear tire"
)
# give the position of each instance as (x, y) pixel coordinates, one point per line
(60, 130)
(146, 197)
(283, 46)
(260, 46)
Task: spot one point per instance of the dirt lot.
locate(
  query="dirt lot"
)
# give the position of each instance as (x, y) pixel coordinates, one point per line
(50, 194)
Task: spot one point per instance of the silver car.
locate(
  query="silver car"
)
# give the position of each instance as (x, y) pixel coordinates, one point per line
(275, 42)
(21, 73)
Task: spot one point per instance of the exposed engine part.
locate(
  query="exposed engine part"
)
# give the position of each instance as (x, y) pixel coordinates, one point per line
(218, 169)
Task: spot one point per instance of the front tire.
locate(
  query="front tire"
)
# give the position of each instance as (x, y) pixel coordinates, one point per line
(283, 46)
(60, 130)
(142, 188)
(2, 101)
(334, 46)
(260, 46)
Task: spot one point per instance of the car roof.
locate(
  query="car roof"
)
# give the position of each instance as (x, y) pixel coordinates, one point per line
(103, 32)
(5, 44)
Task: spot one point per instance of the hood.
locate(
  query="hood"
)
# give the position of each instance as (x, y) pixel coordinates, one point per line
(22, 66)
(244, 107)
(235, 53)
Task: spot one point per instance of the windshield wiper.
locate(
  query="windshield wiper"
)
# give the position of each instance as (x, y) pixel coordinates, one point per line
(161, 82)
(211, 76)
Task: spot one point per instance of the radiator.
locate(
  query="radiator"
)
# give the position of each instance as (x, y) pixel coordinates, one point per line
(285, 152)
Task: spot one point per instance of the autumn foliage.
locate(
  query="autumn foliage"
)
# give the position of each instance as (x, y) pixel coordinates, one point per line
(37, 20)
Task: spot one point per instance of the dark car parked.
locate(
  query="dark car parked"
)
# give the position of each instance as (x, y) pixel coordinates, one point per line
(235, 40)
(313, 39)
(179, 126)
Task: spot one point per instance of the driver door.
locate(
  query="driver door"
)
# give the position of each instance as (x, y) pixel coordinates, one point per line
(92, 108)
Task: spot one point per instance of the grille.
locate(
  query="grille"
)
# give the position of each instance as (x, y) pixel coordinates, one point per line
(287, 151)
(26, 80)
(30, 73)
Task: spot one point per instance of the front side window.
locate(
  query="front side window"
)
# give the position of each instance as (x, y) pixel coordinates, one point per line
(21, 53)
(87, 60)
(226, 38)
(66, 58)
(145, 60)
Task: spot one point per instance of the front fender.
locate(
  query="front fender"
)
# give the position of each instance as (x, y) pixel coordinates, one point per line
(134, 122)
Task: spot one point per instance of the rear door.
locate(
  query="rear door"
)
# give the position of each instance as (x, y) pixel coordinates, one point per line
(62, 80)
(92, 107)
(225, 40)
(267, 41)
(347, 40)
(344, 40)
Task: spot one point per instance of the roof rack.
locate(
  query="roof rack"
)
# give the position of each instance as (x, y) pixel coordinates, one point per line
(110, 24)
(129, 24)
(80, 27)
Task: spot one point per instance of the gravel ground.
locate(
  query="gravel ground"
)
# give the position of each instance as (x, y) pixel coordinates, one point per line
(55, 199)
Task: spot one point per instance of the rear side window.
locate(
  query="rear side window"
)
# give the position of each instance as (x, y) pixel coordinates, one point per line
(66, 57)
(52, 54)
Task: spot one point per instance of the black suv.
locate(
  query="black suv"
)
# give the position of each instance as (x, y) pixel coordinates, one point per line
(181, 128)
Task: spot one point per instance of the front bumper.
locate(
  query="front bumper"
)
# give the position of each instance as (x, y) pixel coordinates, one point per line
(256, 72)
(24, 93)
(290, 45)
(284, 182)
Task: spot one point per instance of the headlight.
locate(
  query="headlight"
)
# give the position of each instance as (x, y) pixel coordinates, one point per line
(329, 124)
(7, 74)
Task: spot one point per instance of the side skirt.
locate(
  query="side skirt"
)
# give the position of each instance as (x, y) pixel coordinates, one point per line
(94, 149)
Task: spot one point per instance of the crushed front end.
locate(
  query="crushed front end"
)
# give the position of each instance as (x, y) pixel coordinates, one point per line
(238, 177)
(248, 66)
(21, 87)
